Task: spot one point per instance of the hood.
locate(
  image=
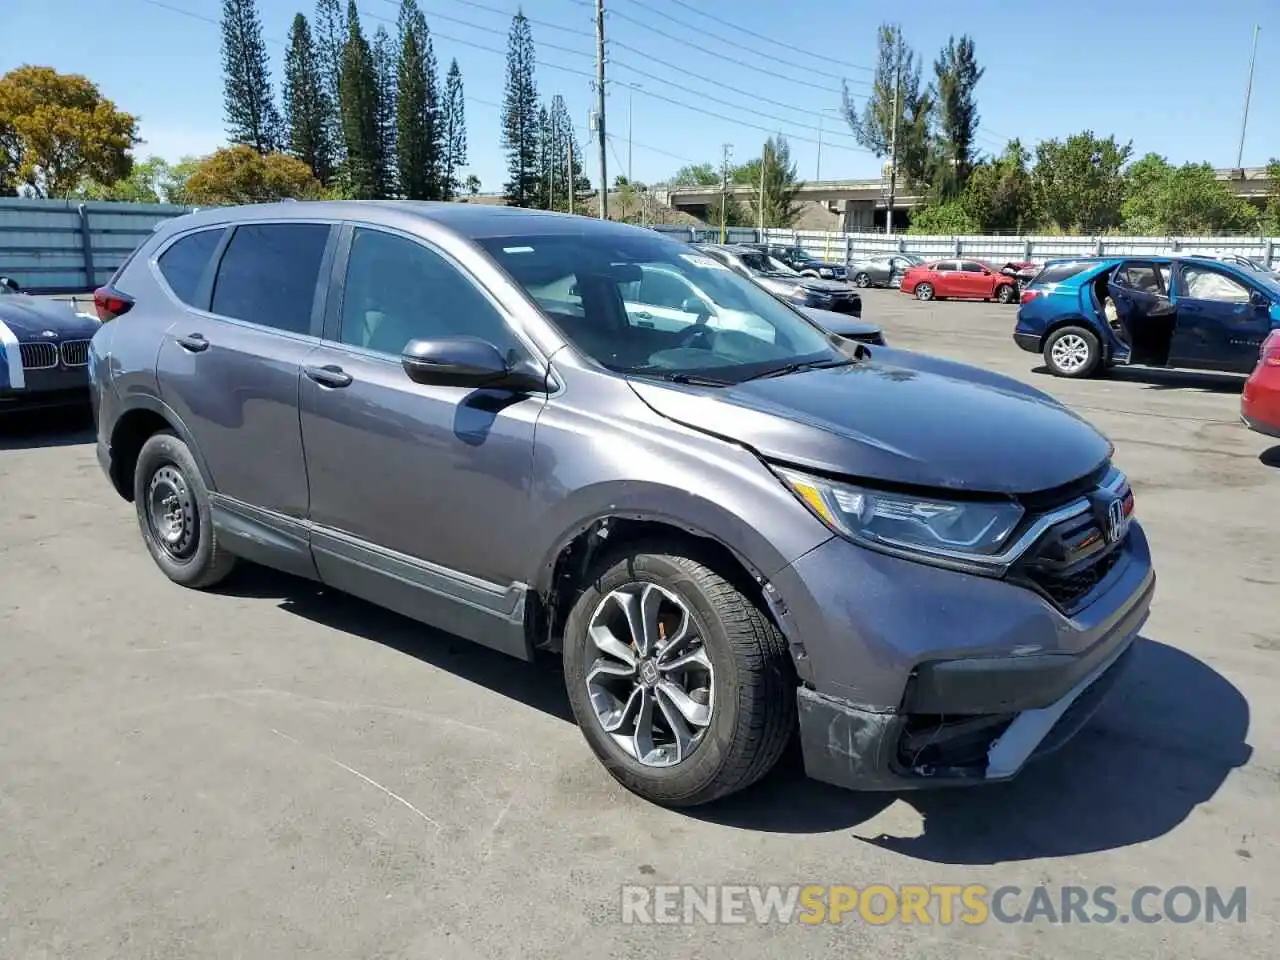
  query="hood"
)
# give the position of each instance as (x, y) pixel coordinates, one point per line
(29, 318)
(897, 418)
(825, 286)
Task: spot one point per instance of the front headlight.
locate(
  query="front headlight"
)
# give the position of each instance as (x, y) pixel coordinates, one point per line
(824, 272)
(800, 292)
(953, 532)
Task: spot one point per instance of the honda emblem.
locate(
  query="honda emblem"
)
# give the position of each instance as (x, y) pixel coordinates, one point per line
(1115, 520)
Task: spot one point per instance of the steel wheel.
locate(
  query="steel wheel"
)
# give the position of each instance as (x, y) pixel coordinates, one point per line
(651, 684)
(1070, 353)
(924, 291)
(171, 513)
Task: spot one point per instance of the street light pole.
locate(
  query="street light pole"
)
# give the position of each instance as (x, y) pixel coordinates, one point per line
(1248, 90)
(630, 93)
(817, 174)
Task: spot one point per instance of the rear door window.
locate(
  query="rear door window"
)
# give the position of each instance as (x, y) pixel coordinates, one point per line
(970, 267)
(269, 274)
(946, 266)
(1142, 278)
(184, 263)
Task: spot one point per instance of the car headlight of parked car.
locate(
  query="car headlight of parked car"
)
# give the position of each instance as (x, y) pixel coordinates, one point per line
(964, 533)
(825, 272)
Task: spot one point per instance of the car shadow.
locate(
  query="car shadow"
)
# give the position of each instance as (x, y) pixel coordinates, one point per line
(1270, 457)
(1134, 773)
(55, 427)
(539, 685)
(1155, 378)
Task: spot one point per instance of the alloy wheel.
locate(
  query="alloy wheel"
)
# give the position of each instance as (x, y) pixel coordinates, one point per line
(862, 280)
(1070, 353)
(651, 684)
(924, 291)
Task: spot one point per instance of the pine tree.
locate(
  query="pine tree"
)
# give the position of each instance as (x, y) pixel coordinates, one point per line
(566, 148)
(418, 118)
(779, 181)
(306, 107)
(520, 117)
(453, 134)
(331, 41)
(384, 66)
(957, 74)
(251, 113)
(546, 160)
(358, 94)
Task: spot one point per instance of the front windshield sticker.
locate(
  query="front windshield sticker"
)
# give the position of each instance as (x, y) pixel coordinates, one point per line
(705, 262)
(517, 249)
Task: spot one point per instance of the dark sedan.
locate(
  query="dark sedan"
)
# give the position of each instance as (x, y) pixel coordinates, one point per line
(44, 348)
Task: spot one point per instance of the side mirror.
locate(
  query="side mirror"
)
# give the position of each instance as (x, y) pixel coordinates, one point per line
(1259, 299)
(11, 284)
(695, 306)
(467, 362)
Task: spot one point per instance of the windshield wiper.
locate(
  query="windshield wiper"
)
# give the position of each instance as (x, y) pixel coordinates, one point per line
(801, 366)
(689, 379)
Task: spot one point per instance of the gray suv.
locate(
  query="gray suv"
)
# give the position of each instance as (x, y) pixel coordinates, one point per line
(734, 536)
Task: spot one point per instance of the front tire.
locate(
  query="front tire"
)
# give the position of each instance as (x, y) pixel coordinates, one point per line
(924, 291)
(1073, 352)
(172, 503)
(681, 685)
(1005, 294)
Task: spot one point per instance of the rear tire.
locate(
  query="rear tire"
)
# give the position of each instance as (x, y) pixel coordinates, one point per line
(924, 291)
(1073, 352)
(747, 686)
(172, 503)
(862, 280)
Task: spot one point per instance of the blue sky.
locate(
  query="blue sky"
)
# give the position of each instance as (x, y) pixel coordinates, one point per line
(1172, 80)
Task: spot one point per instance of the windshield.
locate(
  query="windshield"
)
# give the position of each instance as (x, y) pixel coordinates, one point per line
(763, 263)
(641, 304)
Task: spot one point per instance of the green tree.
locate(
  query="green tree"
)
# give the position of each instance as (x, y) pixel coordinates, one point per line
(145, 184)
(365, 163)
(330, 42)
(697, 175)
(385, 67)
(473, 185)
(949, 218)
(239, 174)
(453, 134)
(956, 75)
(1001, 194)
(548, 176)
(1080, 181)
(58, 131)
(1182, 201)
(1271, 212)
(520, 118)
(179, 175)
(414, 117)
(306, 105)
(781, 186)
(250, 109)
(896, 90)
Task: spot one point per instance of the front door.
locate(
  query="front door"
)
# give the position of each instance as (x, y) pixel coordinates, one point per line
(229, 365)
(1144, 315)
(417, 492)
(948, 280)
(1221, 323)
(975, 280)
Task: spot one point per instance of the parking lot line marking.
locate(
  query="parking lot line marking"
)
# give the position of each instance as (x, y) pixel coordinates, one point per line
(369, 780)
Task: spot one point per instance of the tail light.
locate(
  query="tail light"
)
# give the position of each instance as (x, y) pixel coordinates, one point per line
(1270, 352)
(1028, 296)
(111, 303)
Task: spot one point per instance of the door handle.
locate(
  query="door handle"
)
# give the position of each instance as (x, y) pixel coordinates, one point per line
(194, 342)
(329, 375)
(644, 314)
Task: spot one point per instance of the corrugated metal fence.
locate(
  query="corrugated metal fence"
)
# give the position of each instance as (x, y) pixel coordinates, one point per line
(64, 246)
(846, 246)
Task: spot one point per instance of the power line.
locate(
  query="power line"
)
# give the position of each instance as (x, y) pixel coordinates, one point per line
(202, 17)
(760, 36)
(756, 53)
(511, 13)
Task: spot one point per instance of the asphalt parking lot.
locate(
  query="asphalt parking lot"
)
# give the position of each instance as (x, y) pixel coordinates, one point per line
(271, 770)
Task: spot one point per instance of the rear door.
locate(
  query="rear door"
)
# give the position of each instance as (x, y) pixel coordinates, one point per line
(1220, 326)
(948, 280)
(1144, 315)
(230, 365)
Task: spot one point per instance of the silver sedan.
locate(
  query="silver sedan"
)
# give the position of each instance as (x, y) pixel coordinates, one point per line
(881, 270)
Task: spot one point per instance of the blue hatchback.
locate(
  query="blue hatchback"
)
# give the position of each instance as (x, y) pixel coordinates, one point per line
(1088, 314)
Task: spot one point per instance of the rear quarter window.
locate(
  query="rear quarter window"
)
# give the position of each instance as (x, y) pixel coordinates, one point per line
(184, 263)
(1057, 272)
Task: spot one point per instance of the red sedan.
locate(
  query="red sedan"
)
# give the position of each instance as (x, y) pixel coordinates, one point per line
(1260, 405)
(959, 280)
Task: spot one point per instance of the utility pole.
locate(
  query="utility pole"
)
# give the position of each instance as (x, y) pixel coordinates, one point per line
(724, 191)
(572, 185)
(630, 93)
(764, 156)
(817, 174)
(1248, 90)
(893, 149)
(600, 134)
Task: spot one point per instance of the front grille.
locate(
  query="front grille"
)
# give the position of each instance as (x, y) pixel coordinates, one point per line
(1066, 590)
(39, 356)
(75, 353)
